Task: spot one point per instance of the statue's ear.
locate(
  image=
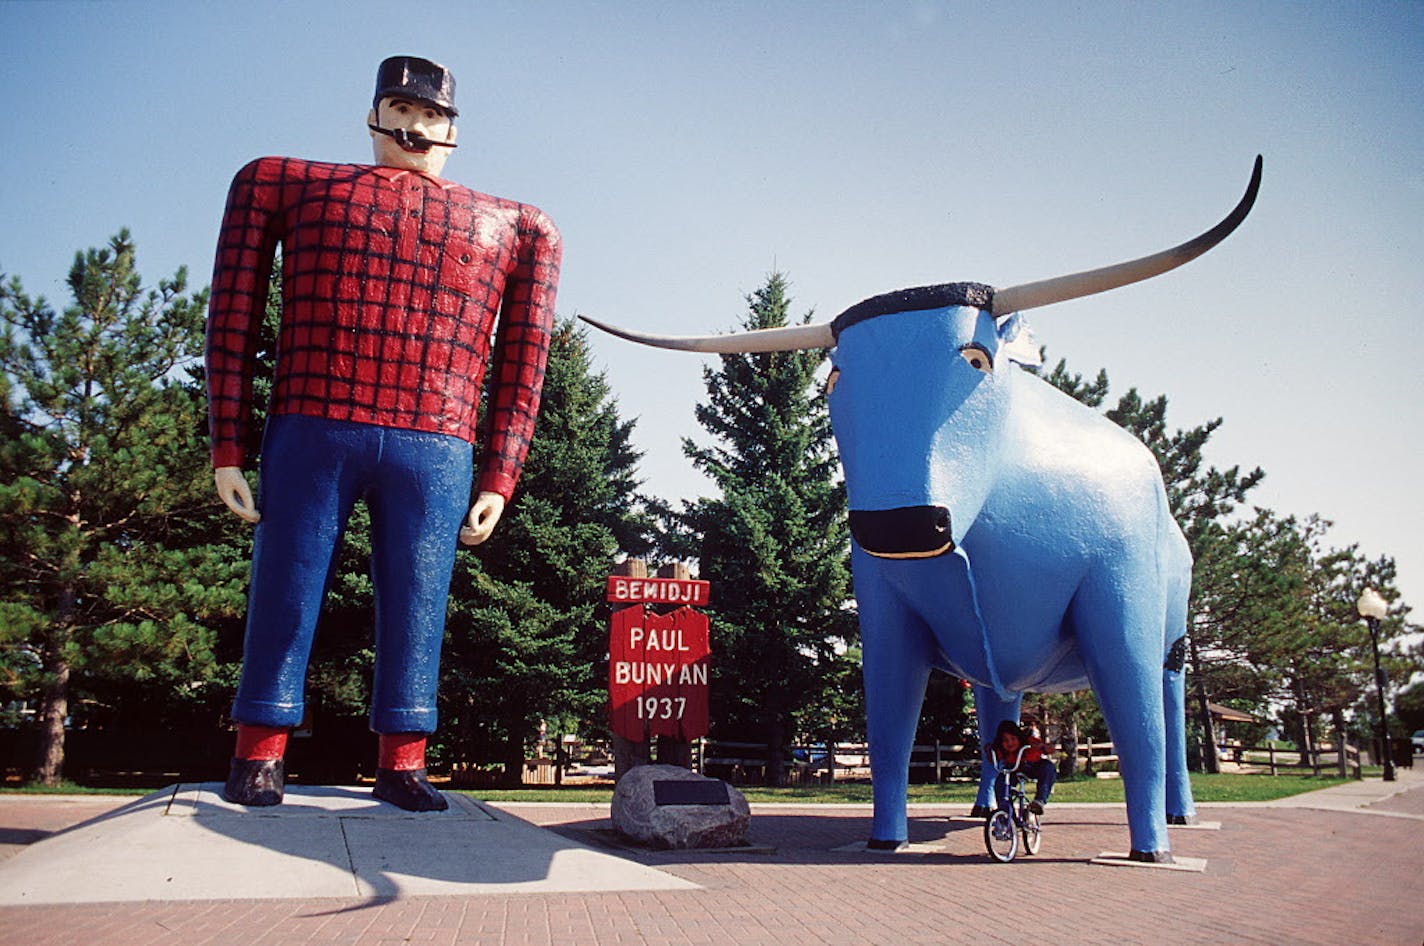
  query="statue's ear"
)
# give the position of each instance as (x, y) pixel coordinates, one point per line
(450, 135)
(1016, 342)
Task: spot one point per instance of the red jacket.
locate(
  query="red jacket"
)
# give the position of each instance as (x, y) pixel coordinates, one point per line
(1037, 750)
(391, 282)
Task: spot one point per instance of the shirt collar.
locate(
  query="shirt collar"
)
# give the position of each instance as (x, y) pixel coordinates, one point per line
(395, 174)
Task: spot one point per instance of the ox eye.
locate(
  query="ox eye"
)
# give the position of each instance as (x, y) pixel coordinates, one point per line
(831, 380)
(978, 357)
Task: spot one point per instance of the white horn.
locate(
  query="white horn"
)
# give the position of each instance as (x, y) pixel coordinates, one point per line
(785, 338)
(1035, 294)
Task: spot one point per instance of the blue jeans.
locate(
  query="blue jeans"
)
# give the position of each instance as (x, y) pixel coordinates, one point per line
(417, 488)
(1044, 771)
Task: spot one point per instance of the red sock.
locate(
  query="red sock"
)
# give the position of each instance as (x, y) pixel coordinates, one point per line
(260, 742)
(401, 751)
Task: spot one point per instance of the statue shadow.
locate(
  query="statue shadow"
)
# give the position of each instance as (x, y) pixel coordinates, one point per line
(805, 837)
(187, 843)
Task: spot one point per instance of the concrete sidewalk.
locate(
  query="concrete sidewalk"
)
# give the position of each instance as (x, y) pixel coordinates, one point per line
(1343, 865)
(188, 843)
(1366, 795)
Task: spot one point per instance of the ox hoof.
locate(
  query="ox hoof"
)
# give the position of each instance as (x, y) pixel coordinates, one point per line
(875, 844)
(1181, 819)
(980, 811)
(1152, 857)
(410, 790)
(255, 782)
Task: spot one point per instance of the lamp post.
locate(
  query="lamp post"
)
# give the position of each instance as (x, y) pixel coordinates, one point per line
(1373, 608)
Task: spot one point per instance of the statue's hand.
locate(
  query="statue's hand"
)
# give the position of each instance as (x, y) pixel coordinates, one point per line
(484, 516)
(235, 493)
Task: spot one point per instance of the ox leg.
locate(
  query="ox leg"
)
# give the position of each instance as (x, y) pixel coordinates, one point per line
(990, 711)
(896, 669)
(1121, 640)
(1180, 807)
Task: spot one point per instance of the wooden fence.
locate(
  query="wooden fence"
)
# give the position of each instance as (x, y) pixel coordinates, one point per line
(827, 762)
(1342, 757)
(747, 761)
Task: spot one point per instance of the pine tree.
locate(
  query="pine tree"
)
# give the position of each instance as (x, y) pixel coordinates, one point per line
(105, 495)
(774, 544)
(1323, 652)
(1199, 495)
(524, 641)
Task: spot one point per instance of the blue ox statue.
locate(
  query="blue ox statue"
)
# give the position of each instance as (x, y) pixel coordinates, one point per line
(1002, 531)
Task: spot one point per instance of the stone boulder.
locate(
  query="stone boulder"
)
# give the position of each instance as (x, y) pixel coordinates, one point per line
(676, 824)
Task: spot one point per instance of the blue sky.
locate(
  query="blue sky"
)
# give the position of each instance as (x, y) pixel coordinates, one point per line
(686, 150)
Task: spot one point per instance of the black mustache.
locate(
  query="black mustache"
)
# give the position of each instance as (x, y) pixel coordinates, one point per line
(411, 142)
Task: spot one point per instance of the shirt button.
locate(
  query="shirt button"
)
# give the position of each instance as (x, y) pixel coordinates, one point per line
(413, 212)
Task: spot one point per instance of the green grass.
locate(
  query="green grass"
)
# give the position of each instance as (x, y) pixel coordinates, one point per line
(66, 787)
(1205, 788)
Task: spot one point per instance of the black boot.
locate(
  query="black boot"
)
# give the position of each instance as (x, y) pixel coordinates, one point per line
(255, 782)
(409, 789)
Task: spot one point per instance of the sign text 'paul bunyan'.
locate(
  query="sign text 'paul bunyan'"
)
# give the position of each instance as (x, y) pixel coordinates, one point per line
(657, 673)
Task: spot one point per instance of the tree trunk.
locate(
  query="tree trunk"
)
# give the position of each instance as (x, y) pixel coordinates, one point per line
(54, 703)
(1070, 748)
(560, 758)
(54, 660)
(514, 756)
(775, 757)
(1210, 761)
(1306, 742)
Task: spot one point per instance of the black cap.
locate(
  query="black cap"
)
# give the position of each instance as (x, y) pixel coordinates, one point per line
(415, 78)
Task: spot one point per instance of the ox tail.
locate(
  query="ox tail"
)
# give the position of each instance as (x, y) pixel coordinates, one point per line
(994, 681)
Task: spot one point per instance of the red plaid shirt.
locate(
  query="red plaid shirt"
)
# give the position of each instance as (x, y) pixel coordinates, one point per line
(391, 281)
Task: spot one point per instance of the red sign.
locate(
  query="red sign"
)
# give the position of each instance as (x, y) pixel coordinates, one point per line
(657, 674)
(658, 590)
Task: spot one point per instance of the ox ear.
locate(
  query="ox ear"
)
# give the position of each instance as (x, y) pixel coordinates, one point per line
(1016, 342)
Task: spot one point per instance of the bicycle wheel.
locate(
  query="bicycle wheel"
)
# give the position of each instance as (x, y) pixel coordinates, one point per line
(1000, 838)
(1032, 833)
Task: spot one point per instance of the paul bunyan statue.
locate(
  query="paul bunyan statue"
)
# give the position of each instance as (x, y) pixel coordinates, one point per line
(392, 281)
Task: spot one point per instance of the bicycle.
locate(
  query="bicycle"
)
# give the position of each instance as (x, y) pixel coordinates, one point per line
(1005, 826)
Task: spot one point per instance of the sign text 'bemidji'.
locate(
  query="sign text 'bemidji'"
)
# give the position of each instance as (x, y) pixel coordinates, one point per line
(686, 591)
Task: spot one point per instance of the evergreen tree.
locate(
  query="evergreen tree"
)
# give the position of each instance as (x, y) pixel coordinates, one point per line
(105, 496)
(1325, 656)
(524, 641)
(1092, 393)
(1250, 581)
(1409, 704)
(774, 544)
(1199, 495)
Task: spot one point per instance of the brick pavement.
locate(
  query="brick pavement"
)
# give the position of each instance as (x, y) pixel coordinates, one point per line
(1275, 875)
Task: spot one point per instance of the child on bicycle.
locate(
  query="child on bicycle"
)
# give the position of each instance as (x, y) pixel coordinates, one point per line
(1015, 750)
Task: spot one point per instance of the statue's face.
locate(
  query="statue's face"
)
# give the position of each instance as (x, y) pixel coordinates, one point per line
(418, 118)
